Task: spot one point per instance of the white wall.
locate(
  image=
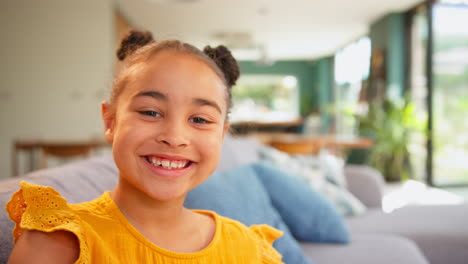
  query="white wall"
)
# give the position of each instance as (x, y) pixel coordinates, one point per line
(56, 61)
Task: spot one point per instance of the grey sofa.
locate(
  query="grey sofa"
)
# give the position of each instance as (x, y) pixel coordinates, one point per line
(434, 234)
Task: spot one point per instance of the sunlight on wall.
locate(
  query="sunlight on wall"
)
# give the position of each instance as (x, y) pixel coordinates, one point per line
(352, 64)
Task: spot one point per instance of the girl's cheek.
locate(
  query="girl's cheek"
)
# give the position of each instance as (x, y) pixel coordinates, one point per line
(212, 142)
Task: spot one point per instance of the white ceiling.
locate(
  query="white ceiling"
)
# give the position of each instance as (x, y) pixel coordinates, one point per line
(279, 29)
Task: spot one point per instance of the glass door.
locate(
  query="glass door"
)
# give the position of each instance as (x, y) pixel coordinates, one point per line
(450, 94)
(419, 90)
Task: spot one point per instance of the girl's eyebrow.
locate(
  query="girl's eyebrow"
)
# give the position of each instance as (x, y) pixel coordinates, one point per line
(160, 96)
(154, 94)
(202, 102)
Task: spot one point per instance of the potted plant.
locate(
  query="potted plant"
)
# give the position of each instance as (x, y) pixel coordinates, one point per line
(389, 123)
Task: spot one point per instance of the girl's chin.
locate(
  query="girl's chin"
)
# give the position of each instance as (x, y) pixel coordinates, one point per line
(153, 190)
(166, 195)
(168, 198)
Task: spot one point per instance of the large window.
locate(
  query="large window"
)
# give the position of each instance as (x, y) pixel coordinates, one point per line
(352, 65)
(450, 94)
(439, 89)
(265, 98)
(418, 87)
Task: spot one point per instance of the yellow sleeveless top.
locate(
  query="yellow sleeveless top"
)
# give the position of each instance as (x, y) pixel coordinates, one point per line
(106, 236)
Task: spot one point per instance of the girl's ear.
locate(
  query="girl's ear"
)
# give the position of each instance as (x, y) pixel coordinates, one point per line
(108, 117)
(226, 128)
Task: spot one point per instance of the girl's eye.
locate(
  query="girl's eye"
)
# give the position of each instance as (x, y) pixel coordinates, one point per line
(150, 113)
(199, 120)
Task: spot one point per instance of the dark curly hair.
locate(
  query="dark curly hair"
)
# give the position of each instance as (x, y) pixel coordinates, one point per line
(132, 42)
(138, 47)
(225, 61)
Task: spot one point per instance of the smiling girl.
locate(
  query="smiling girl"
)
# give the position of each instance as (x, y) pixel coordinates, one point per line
(166, 119)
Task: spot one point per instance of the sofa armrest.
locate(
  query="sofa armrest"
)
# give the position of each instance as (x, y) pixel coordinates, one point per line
(366, 184)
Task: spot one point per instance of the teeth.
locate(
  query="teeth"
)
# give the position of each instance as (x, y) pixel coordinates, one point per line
(167, 164)
(182, 164)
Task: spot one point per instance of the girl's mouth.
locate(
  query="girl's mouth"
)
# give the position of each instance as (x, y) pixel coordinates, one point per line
(168, 164)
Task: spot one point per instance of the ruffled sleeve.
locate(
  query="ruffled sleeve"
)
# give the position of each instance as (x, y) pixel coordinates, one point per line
(36, 207)
(267, 235)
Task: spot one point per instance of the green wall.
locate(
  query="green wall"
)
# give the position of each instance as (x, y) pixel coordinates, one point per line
(396, 56)
(379, 33)
(326, 82)
(388, 33)
(306, 73)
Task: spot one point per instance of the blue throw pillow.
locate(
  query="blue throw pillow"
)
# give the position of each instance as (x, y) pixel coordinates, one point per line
(239, 195)
(309, 216)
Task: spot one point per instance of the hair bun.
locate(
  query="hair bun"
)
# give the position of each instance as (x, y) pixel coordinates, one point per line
(226, 62)
(134, 40)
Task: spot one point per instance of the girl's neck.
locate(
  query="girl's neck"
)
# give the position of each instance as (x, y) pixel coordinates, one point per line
(145, 212)
(165, 223)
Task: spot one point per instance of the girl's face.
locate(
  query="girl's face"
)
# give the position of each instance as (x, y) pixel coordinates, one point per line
(168, 126)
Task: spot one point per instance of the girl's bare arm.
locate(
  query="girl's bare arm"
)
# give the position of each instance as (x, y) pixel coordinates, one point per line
(41, 247)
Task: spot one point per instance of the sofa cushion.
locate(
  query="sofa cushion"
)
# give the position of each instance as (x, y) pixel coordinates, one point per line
(239, 195)
(367, 249)
(309, 216)
(313, 172)
(440, 231)
(366, 183)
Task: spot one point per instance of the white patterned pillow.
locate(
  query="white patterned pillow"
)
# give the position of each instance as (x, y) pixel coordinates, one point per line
(333, 167)
(319, 174)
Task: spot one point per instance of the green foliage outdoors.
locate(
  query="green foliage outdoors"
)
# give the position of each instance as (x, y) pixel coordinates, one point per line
(450, 42)
(451, 80)
(450, 110)
(264, 94)
(261, 93)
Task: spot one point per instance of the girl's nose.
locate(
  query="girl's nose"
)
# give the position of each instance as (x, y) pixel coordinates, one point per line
(173, 134)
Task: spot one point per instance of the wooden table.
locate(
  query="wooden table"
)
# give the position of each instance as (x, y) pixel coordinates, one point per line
(312, 144)
(248, 127)
(39, 150)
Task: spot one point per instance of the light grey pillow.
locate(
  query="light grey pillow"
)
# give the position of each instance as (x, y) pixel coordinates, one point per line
(238, 151)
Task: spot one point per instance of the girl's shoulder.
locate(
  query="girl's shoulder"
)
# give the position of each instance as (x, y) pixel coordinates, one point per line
(42, 208)
(260, 237)
(256, 232)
